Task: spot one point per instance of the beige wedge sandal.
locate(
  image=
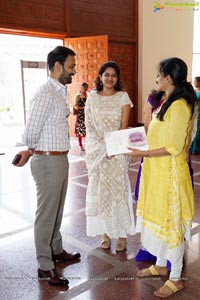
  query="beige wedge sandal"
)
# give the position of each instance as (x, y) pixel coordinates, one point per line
(106, 242)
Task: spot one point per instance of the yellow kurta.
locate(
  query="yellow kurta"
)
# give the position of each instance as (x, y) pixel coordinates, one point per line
(166, 198)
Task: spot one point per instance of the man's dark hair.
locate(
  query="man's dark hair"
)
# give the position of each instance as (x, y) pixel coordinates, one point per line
(59, 54)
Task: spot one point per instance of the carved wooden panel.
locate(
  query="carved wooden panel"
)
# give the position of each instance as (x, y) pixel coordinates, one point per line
(125, 55)
(91, 53)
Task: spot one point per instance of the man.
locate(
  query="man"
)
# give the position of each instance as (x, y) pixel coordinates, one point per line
(47, 137)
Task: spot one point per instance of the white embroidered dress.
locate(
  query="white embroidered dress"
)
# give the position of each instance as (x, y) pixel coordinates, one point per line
(108, 200)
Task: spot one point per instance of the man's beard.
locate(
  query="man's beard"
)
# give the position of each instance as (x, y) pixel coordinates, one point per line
(65, 78)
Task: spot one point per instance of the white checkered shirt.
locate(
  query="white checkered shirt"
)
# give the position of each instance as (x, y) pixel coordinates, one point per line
(47, 127)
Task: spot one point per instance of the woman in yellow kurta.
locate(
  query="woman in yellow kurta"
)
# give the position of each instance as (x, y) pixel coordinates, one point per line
(166, 201)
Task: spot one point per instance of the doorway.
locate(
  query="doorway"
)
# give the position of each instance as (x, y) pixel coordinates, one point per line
(13, 49)
(91, 52)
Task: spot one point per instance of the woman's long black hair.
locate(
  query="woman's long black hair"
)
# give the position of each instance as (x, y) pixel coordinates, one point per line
(157, 96)
(177, 69)
(109, 64)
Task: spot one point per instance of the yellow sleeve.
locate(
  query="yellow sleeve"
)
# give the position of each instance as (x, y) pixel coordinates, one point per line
(178, 116)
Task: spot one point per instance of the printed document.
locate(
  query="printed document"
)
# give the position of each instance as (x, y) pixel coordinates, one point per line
(117, 142)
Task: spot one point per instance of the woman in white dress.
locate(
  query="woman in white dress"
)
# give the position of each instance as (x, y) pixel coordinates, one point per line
(108, 201)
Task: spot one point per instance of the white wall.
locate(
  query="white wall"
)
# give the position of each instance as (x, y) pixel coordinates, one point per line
(162, 34)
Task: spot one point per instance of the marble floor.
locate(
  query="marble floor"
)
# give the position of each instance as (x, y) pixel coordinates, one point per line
(100, 274)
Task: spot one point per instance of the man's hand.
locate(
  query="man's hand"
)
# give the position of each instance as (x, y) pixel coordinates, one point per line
(25, 155)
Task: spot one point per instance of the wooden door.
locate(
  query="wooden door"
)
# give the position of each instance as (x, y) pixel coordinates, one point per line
(91, 53)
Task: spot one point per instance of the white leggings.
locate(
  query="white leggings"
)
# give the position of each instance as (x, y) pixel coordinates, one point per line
(176, 264)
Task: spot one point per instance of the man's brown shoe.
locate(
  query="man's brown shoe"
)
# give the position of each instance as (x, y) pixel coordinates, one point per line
(65, 256)
(53, 277)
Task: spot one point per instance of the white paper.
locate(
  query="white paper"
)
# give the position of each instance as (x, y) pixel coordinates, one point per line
(118, 141)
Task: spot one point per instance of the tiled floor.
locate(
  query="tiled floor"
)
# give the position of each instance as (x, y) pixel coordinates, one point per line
(100, 274)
